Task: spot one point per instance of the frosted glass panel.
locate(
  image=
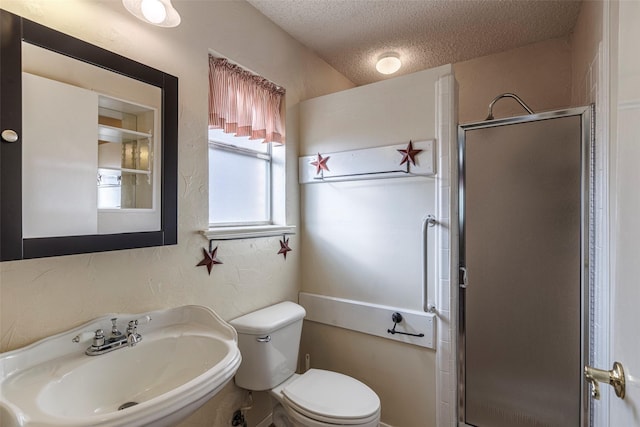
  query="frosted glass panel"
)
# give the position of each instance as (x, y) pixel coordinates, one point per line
(239, 188)
(523, 255)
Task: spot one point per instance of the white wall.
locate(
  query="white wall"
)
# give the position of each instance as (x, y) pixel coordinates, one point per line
(46, 296)
(362, 240)
(625, 207)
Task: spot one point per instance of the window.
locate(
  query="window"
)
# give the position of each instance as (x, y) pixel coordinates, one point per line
(246, 171)
(239, 180)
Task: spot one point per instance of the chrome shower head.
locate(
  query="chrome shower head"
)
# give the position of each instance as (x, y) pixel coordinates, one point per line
(507, 95)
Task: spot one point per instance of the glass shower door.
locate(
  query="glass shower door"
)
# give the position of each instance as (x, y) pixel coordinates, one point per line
(522, 247)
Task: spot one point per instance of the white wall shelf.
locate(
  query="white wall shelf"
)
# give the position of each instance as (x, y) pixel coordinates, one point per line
(369, 318)
(247, 232)
(369, 163)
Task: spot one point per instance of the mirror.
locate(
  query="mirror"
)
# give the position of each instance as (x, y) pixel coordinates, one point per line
(94, 165)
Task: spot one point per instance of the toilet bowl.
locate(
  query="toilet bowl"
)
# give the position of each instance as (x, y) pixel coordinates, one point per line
(325, 398)
(269, 340)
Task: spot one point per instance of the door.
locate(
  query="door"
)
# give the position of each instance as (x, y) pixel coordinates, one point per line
(524, 242)
(625, 217)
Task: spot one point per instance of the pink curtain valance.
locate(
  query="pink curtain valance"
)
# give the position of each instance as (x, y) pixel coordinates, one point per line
(244, 104)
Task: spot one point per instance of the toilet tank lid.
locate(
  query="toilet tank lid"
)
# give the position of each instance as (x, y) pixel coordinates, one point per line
(268, 319)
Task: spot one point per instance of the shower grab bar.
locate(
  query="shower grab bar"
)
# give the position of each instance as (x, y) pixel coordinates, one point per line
(507, 95)
(428, 222)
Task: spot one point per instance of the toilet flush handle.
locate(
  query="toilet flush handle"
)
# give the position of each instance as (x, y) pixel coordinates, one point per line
(266, 338)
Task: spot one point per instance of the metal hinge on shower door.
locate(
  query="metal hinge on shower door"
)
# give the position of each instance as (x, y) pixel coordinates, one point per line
(614, 377)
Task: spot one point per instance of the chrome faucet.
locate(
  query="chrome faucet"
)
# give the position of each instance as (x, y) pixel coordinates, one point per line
(101, 344)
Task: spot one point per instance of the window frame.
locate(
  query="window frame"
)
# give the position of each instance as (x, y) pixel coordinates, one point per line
(278, 226)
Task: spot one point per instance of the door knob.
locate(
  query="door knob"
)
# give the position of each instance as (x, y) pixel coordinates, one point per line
(614, 377)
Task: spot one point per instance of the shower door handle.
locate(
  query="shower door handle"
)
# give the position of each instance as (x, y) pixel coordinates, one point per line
(462, 274)
(614, 377)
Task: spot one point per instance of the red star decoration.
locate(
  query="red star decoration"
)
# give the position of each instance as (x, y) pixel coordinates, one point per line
(320, 163)
(284, 247)
(209, 259)
(409, 154)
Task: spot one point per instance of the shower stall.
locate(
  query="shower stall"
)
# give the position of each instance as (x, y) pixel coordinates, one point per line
(524, 215)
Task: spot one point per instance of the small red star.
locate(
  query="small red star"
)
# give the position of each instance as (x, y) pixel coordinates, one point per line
(209, 259)
(284, 247)
(320, 163)
(409, 154)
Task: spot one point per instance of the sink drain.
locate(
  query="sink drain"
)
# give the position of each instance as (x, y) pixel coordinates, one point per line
(127, 405)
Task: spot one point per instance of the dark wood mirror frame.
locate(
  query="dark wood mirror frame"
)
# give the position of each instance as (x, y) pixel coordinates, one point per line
(13, 31)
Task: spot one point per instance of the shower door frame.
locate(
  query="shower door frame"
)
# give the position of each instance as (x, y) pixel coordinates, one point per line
(587, 243)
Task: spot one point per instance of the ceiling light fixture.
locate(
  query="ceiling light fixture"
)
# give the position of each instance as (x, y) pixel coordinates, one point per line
(388, 63)
(156, 12)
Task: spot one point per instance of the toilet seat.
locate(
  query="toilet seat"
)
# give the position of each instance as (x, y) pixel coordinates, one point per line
(332, 398)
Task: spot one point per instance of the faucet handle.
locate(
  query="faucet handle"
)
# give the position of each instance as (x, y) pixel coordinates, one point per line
(98, 337)
(143, 320)
(84, 336)
(133, 324)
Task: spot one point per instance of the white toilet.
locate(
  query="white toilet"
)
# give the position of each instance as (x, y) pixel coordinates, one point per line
(268, 340)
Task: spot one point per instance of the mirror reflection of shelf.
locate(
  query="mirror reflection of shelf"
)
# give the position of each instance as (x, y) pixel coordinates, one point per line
(136, 171)
(107, 134)
(123, 189)
(125, 155)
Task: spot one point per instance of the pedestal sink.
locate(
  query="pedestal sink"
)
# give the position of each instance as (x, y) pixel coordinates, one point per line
(187, 354)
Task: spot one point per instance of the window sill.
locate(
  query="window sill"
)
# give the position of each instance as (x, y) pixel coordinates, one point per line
(248, 232)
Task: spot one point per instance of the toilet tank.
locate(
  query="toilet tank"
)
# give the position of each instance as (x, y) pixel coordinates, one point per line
(268, 339)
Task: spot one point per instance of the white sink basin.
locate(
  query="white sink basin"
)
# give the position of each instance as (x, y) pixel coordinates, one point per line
(186, 356)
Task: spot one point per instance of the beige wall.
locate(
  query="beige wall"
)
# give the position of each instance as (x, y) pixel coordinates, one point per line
(46, 296)
(403, 375)
(540, 74)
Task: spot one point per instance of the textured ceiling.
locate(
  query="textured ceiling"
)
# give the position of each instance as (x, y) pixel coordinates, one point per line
(352, 34)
